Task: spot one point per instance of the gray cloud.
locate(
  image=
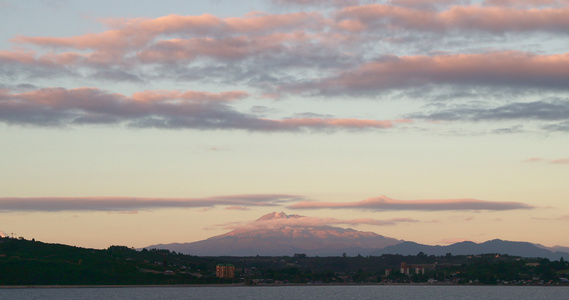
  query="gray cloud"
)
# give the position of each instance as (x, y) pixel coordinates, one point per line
(546, 110)
(506, 69)
(55, 204)
(384, 203)
(153, 109)
(561, 126)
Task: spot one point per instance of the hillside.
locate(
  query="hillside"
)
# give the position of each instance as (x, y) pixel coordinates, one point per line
(36, 263)
(24, 262)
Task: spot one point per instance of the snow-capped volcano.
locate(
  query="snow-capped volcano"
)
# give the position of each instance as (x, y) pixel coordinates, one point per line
(279, 234)
(276, 215)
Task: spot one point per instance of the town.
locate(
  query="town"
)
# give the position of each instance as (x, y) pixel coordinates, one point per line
(29, 262)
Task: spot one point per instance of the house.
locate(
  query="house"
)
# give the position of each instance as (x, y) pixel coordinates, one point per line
(225, 271)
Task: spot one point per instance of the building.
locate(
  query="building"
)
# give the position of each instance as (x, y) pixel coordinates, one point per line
(415, 269)
(225, 271)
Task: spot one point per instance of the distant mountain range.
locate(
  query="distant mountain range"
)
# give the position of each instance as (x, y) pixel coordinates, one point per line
(522, 249)
(278, 234)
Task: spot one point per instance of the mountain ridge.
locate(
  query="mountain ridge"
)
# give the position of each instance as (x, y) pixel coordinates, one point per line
(498, 246)
(279, 234)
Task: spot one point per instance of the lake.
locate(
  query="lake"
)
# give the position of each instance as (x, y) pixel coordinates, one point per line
(291, 292)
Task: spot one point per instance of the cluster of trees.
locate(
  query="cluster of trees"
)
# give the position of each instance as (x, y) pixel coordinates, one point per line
(448, 269)
(24, 262)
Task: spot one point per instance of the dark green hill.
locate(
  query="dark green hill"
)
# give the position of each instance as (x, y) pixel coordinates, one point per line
(24, 262)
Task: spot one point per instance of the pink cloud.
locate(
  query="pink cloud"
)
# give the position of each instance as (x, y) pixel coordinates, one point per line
(227, 48)
(562, 161)
(496, 68)
(526, 3)
(497, 19)
(318, 2)
(136, 33)
(25, 57)
(502, 19)
(137, 41)
(130, 204)
(559, 161)
(218, 148)
(299, 39)
(163, 95)
(384, 203)
(427, 4)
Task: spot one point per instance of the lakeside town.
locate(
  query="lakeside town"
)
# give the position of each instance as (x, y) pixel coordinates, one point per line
(30, 262)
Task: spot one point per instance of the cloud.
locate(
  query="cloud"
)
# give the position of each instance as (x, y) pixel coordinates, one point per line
(497, 69)
(546, 110)
(318, 2)
(561, 126)
(559, 161)
(356, 48)
(172, 38)
(383, 203)
(136, 33)
(428, 4)
(360, 221)
(132, 212)
(154, 109)
(302, 221)
(526, 3)
(218, 148)
(488, 19)
(129, 204)
(205, 47)
(237, 207)
(560, 218)
(261, 48)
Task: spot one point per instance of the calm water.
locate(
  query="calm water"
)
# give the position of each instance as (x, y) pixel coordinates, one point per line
(293, 292)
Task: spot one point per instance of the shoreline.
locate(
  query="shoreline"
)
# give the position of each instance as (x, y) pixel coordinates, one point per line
(252, 286)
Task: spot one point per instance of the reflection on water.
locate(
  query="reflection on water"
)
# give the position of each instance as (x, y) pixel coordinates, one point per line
(292, 292)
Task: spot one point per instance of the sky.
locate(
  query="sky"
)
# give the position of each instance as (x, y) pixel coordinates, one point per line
(143, 122)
